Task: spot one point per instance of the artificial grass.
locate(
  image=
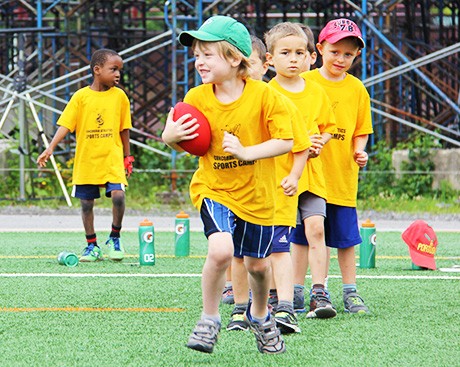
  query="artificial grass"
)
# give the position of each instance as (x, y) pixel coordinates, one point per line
(414, 322)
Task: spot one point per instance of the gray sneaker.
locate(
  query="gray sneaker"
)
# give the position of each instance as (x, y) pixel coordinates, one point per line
(299, 300)
(320, 305)
(286, 320)
(268, 336)
(237, 320)
(354, 303)
(204, 336)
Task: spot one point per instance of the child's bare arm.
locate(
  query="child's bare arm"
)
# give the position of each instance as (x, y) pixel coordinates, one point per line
(267, 149)
(60, 134)
(360, 156)
(290, 182)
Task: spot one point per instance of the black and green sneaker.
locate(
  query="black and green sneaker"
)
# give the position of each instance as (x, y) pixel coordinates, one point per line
(354, 303)
(286, 320)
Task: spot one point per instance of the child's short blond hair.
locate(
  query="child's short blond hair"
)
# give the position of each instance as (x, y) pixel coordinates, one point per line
(228, 52)
(283, 30)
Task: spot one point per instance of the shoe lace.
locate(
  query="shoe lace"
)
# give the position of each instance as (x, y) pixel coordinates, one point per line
(88, 249)
(116, 243)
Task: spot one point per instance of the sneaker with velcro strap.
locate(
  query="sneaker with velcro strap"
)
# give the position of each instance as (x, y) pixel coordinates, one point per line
(354, 304)
(320, 305)
(268, 336)
(237, 320)
(286, 320)
(204, 336)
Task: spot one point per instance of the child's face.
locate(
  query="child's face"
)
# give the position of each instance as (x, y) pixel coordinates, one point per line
(258, 68)
(211, 65)
(310, 59)
(289, 56)
(108, 75)
(338, 57)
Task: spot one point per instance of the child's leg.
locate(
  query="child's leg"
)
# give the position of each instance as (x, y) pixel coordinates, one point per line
(299, 258)
(118, 207)
(347, 263)
(227, 294)
(317, 253)
(220, 253)
(282, 274)
(87, 215)
(240, 285)
(259, 280)
(240, 281)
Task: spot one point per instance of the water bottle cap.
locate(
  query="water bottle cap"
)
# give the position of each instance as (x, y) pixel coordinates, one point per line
(368, 224)
(146, 222)
(182, 214)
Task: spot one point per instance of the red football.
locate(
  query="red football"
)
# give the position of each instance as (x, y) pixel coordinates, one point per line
(199, 145)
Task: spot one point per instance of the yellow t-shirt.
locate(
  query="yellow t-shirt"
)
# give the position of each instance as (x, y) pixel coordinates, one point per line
(286, 206)
(352, 109)
(316, 110)
(97, 119)
(246, 188)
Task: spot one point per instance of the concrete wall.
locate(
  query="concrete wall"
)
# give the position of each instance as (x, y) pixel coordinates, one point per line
(447, 165)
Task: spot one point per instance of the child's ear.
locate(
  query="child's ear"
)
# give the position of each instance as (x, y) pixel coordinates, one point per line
(313, 57)
(359, 53)
(319, 47)
(96, 69)
(269, 58)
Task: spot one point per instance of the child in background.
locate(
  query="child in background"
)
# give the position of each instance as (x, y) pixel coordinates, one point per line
(288, 47)
(239, 274)
(100, 114)
(339, 43)
(234, 185)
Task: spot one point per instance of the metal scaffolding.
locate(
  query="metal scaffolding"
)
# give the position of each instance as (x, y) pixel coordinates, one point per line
(411, 64)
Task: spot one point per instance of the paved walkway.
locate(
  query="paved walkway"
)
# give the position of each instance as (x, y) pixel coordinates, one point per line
(72, 222)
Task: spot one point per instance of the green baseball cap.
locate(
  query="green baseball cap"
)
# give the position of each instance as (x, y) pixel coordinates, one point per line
(220, 28)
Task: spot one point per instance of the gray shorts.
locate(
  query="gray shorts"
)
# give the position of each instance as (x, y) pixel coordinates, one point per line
(309, 205)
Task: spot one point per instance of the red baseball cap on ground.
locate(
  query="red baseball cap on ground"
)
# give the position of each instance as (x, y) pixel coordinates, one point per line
(338, 29)
(422, 242)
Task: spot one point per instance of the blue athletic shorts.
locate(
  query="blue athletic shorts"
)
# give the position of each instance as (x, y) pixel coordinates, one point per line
(341, 226)
(89, 192)
(249, 239)
(298, 235)
(281, 239)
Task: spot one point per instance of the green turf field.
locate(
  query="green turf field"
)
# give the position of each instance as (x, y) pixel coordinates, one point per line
(122, 314)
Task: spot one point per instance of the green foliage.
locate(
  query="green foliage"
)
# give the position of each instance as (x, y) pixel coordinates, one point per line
(379, 177)
(417, 178)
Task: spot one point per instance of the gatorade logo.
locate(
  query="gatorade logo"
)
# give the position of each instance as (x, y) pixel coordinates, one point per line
(148, 237)
(180, 228)
(374, 239)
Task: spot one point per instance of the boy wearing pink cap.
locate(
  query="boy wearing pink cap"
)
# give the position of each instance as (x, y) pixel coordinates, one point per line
(339, 43)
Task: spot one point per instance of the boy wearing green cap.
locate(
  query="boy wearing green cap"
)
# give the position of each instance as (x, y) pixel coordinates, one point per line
(234, 184)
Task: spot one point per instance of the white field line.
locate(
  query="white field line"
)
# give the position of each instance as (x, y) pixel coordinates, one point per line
(169, 275)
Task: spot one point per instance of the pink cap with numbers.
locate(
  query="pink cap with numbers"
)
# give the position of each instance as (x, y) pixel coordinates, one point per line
(338, 29)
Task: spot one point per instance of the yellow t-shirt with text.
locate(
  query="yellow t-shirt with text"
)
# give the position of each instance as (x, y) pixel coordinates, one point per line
(352, 109)
(245, 187)
(286, 206)
(97, 118)
(316, 111)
